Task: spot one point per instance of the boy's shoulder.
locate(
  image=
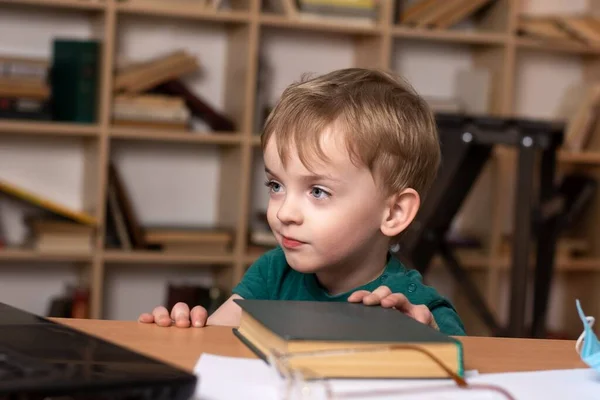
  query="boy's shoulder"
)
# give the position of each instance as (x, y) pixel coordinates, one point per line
(409, 282)
(264, 275)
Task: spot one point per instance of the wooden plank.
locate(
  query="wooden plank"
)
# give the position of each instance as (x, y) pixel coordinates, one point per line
(65, 4)
(219, 138)
(48, 128)
(451, 36)
(143, 258)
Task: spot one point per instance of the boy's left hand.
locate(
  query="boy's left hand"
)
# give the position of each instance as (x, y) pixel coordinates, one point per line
(384, 297)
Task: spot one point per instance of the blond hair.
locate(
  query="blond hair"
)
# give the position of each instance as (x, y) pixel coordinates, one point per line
(387, 126)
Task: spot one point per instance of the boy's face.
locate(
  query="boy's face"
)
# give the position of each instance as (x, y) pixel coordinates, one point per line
(326, 218)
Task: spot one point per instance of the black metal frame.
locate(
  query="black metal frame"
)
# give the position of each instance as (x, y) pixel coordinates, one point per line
(467, 144)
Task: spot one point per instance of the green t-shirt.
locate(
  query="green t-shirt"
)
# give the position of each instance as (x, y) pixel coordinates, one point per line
(271, 278)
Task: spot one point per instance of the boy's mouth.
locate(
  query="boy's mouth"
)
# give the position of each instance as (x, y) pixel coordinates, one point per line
(290, 243)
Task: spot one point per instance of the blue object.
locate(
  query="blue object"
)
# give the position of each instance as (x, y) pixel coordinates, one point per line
(590, 350)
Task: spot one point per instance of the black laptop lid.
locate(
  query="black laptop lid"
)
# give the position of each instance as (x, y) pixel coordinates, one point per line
(42, 357)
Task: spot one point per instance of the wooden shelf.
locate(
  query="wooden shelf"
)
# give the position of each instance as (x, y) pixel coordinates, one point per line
(69, 4)
(255, 140)
(574, 48)
(48, 128)
(373, 46)
(154, 257)
(221, 138)
(452, 36)
(278, 21)
(22, 255)
(184, 10)
(584, 157)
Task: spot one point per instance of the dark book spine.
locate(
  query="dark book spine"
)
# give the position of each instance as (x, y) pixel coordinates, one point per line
(197, 106)
(248, 344)
(21, 108)
(74, 80)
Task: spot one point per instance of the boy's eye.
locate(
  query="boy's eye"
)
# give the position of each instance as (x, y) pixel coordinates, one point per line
(273, 186)
(319, 193)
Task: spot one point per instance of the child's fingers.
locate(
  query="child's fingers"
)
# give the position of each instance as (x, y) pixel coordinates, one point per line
(199, 315)
(397, 300)
(181, 315)
(422, 314)
(358, 296)
(161, 316)
(146, 318)
(375, 297)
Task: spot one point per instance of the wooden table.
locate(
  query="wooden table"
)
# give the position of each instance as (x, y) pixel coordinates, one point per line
(182, 347)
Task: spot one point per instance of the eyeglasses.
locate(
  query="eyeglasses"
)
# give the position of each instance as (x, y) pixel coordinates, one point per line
(304, 384)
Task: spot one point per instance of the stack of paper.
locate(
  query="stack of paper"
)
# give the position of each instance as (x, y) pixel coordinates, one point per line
(239, 378)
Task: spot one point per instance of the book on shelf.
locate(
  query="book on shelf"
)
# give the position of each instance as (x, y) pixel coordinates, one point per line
(125, 228)
(33, 68)
(24, 88)
(151, 111)
(161, 77)
(59, 235)
(142, 76)
(560, 29)
(334, 11)
(25, 108)
(585, 28)
(74, 79)
(368, 334)
(44, 203)
(439, 15)
(197, 106)
(189, 240)
(543, 28)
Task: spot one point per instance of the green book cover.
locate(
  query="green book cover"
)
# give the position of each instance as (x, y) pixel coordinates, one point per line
(342, 322)
(74, 80)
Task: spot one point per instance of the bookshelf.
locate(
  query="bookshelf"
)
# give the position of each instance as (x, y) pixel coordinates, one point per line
(491, 43)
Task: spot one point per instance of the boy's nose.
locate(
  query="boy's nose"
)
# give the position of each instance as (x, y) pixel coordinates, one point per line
(289, 212)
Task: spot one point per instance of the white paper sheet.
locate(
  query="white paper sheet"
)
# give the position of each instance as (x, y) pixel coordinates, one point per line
(222, 378)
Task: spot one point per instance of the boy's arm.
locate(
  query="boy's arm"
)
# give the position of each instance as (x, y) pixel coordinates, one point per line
(228, 314)
(448, 320)
(254, 285)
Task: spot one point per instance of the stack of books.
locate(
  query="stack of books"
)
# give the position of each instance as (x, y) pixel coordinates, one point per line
(151, 94)
(153, 111)
(24, 90)
(54, 235)
(183, 240)
(336, 11)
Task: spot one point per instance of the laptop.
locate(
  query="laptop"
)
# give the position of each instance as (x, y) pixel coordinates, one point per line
(40, 358)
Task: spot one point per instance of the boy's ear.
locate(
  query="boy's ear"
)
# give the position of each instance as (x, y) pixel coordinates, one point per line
(400, 211)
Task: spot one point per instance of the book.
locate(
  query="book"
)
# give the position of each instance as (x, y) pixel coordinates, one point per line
(198, 107)
(74, 79)
(46, 204)
(307, 326)
(124, 203)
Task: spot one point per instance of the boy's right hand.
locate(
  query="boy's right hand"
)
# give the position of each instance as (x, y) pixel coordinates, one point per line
(180, 315)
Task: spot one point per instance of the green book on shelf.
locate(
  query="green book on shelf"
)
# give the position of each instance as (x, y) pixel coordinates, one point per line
(388, 341)
(74, 80)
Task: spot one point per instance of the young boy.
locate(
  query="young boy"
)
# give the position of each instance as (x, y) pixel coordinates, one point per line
(348, 157)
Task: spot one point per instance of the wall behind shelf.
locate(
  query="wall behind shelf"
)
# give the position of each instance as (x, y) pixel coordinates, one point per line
(31, 286)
